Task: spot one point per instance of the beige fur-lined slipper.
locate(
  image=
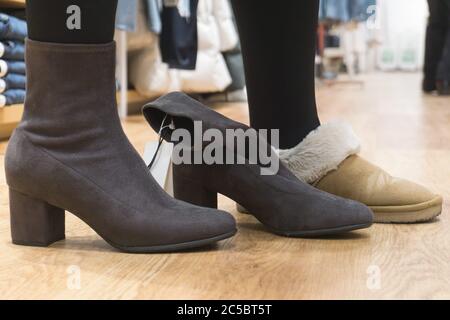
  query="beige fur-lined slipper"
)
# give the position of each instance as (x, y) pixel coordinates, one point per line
(328, 159)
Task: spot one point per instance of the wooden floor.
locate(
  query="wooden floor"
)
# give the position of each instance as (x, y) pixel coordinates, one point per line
(402, 130)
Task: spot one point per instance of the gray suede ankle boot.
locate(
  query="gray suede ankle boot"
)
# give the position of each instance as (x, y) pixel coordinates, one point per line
(284, 204)
(70, 153)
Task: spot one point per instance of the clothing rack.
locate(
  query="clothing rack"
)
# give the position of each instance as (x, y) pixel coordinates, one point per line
(350, 79)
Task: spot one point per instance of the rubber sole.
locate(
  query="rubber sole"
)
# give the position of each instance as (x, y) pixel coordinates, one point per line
(170, 248)
(153, 249)
(321, 232)
(34, 244)
(310, 233)
(36, 223)
(417, 213)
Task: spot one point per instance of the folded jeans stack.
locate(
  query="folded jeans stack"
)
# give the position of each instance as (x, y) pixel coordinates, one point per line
(13, 32)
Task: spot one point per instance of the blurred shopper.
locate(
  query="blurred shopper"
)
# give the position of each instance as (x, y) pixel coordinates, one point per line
(437, 52)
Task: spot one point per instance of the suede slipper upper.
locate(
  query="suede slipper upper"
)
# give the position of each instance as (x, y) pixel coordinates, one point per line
(328, 159)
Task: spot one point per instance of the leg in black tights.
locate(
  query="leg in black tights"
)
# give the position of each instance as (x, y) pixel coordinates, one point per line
(279, 45)
(47, 21)
(435, 41)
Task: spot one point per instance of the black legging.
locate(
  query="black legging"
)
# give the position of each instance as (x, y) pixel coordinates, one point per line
(437, 30)
(47, 21)
(278, 42)
(279, 45)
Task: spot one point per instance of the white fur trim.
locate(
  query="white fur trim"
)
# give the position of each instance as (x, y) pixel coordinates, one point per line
(322, 151)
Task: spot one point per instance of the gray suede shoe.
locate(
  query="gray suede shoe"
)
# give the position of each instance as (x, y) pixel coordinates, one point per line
(70, 153)
(284, 204)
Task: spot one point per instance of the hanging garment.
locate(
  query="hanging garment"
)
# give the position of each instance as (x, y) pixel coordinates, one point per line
(229, 38)
(360, 10)
(336, 10)
(126, 15)
(179, 38)
(12, 28)
(151, 77)
(142, 37)
(154, 15)
(346, 10)
(211, 73)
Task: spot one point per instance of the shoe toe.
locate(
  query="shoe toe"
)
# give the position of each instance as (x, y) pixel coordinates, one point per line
(360, 214)
(340, 213)
(360, 180)
(400, 192)
(211, 223)
(221, 222)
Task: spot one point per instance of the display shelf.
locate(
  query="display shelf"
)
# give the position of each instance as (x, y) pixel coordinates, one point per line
(12, 3)
(9, 118)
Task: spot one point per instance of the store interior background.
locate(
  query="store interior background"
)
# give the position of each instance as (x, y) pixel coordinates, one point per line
(371, 79)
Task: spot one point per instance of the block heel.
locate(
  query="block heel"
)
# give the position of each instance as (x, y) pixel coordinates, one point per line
(35, 222)
(193, 192)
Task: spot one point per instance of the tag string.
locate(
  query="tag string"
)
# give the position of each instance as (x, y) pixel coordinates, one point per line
(160, 140)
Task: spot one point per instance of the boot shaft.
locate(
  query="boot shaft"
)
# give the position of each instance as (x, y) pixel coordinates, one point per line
(69, 87)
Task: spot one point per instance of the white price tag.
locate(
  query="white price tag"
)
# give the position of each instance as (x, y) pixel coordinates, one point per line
(162, 166)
